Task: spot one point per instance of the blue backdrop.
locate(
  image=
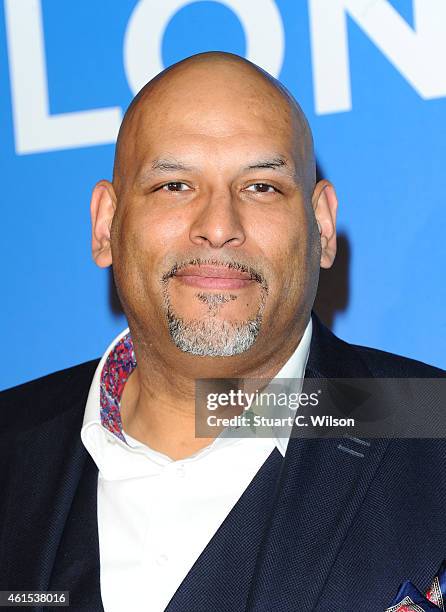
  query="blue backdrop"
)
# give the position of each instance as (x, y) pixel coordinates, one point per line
(371, 79)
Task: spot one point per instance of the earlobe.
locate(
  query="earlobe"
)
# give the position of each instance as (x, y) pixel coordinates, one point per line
(325, 205)
(103, 206)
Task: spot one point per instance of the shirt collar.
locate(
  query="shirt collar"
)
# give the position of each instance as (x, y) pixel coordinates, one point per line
(118, 362)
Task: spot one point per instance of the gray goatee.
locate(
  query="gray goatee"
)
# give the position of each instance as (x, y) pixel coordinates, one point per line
(212, 337)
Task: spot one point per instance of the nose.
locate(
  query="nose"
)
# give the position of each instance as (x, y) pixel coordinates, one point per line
(218, 222)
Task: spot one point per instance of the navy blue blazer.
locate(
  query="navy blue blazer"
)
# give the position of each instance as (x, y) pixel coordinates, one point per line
(322, 529)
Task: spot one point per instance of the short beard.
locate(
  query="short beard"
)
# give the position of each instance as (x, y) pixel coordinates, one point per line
(213, 337)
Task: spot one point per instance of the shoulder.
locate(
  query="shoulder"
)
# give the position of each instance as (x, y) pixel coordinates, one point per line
(39, 400)
(384, 364)
(333, 357)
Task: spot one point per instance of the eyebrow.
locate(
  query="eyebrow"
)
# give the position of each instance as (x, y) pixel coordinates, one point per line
(161, 165)
(169, 165)
(278, 163)
(166, 165)
(274, 163)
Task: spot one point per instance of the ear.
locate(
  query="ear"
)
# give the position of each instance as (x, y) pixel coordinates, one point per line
(325, 204)
(103, 206)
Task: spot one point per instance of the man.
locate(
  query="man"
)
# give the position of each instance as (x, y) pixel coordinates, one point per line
(216, 230)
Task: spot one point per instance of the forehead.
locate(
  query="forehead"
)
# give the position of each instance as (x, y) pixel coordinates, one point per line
(210, 142)
(192, 114)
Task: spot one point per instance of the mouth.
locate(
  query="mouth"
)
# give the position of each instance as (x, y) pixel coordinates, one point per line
(214, 277)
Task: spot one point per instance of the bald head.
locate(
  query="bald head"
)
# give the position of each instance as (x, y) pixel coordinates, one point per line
(215, 169)
(200, 91)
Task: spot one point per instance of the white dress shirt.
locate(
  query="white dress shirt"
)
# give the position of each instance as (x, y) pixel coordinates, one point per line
(156, 515)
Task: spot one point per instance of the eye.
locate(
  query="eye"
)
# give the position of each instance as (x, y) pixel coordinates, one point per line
(261, 188)
(175, 186)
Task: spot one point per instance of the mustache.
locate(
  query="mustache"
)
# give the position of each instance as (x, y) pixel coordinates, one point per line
(233, 264)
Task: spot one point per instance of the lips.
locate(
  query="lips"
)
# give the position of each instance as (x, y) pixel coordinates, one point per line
(214, 277)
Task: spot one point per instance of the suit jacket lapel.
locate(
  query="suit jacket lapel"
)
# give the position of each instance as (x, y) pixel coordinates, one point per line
(320, 490)
(47, 466)
(220, 578)
(76, 565)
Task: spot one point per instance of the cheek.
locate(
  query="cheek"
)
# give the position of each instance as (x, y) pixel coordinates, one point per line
(145, 232)
(283, 242)
(154, 231)
(289, 249)
(144, 237)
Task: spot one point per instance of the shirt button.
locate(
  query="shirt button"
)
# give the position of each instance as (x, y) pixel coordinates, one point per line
(180, 471)
(162, 560)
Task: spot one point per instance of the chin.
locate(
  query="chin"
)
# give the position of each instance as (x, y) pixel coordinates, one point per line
(213, 337)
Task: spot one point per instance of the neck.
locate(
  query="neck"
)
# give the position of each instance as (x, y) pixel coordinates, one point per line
(158, 402)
